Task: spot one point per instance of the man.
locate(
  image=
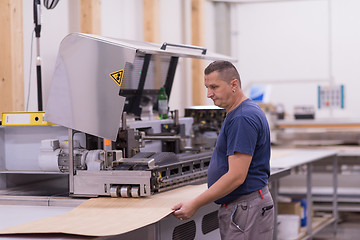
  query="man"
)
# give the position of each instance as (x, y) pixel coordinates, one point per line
(240, 165)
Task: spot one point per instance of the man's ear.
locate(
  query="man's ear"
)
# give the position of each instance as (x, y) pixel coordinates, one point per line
(234, 83)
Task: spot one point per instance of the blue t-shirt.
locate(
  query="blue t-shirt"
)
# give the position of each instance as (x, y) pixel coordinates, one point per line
(245, 130)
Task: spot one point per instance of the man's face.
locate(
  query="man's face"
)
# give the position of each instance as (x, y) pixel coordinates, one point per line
(219, 91)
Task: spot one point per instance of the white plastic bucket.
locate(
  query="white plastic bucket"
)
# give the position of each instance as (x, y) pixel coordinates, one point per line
(288, 226)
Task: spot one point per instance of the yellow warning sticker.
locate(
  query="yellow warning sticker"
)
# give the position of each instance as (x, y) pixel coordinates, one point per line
(117, 76)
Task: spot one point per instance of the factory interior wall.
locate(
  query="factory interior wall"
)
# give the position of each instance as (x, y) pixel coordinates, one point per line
(119, 19)
(295, 46)
(55, 26)
(292, 46)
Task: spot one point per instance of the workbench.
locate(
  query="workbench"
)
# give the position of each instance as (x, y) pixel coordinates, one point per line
(348, 180)
(291, 158)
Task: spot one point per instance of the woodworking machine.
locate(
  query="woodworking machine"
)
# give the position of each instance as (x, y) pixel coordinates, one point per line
(106, 90)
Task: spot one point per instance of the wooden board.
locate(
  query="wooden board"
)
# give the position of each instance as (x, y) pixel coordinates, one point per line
(111, 216)
(197, 38)
(90, 11)
(12, 56)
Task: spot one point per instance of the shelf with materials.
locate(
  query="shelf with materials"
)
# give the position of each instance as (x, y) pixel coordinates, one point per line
(318, 224)
(293, 159)
(348, 177)
(348, 199)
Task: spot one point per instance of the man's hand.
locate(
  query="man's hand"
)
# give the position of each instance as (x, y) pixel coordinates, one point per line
(184, 210)
(238, 167)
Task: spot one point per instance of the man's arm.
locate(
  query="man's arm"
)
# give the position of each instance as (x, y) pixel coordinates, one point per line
(238, 167)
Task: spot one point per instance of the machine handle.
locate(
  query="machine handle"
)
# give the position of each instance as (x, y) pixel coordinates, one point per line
(163, 47)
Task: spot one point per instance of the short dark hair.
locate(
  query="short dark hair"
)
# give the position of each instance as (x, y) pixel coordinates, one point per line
(226, 70)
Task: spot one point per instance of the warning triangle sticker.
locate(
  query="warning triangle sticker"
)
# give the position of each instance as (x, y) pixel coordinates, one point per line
(117, 76)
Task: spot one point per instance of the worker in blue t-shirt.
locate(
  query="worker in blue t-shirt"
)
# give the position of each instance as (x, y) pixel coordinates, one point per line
(240, 165)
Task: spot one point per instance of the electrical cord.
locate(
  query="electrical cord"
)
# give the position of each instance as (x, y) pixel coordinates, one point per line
(31, 54)
(52, 5)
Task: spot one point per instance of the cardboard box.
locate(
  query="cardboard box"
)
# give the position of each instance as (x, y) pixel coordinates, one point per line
(290, 208)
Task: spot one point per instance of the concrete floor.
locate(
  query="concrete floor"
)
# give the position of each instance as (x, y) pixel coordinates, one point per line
(348, 228)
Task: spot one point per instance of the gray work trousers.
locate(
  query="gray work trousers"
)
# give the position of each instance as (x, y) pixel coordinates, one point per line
(250, 217)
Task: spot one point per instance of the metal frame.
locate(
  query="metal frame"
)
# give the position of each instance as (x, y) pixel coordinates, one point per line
(309, 171)
(72, 171)
(170, 75)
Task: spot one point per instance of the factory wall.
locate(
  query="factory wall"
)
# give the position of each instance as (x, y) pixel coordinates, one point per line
(119, 19)
(295, 46)
(291, 46)
(55, 26)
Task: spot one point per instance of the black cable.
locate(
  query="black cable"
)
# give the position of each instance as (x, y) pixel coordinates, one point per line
(37, 29)
(29, 84)
(52, 4)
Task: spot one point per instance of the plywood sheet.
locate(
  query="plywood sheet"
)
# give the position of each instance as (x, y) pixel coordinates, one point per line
(111, 216)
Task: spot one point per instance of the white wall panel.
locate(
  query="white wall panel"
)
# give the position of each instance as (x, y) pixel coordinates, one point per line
(294, 46)
(284, 40)
(346, 53)
(55, 26)
(122, 19)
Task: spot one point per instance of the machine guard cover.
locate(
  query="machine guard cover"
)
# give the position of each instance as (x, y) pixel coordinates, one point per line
(84, 96)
